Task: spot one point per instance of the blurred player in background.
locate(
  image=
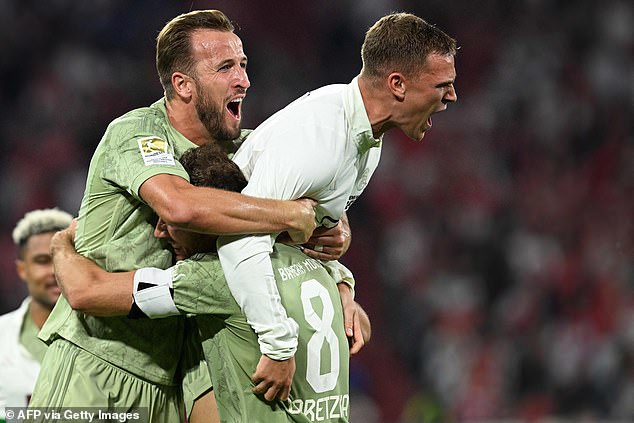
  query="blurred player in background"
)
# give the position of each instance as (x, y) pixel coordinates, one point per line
(21, 352)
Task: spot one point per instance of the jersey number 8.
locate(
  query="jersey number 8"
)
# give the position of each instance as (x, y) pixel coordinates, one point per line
(323, 334)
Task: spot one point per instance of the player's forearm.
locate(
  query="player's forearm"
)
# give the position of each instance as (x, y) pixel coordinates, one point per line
(94, 291)
(228, 213)
(364, 323)
(87, 287)
(250, 277)
(221, 212)
(107, 298)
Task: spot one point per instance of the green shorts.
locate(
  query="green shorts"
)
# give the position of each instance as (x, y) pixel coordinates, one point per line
(73, 377)
(196, 379)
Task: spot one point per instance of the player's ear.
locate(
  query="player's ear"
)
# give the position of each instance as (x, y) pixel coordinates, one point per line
(183, 85)
(396, 85)
(20, 269)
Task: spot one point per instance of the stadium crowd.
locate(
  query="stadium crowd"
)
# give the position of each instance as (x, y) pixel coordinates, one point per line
(495, 259)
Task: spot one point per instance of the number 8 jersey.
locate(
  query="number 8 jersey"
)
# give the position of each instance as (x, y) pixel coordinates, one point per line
(320, 390)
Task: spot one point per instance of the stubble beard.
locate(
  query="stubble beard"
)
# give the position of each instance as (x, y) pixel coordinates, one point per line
(212, 119)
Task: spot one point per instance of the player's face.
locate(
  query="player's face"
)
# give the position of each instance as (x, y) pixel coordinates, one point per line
(184, 243)
(36, 269)
(427, 94)
(221, 82)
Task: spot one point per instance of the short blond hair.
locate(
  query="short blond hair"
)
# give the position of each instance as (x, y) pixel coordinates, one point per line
(38, 222)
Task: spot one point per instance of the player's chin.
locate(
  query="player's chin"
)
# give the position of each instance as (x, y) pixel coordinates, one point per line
(418, 135)
(232, 128)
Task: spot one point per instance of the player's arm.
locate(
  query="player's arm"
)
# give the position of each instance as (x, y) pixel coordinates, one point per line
(365, 327)
(356, 321)
(220, 212)
(145, 166)
(86, 286)
(146, 292)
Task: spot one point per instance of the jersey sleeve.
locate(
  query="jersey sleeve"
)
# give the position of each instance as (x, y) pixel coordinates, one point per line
(340, 273)
(195, 286)
(136, 151)
(200, 288)
(250, 277)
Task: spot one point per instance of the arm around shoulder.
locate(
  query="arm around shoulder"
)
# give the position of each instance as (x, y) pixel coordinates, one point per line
(86, 286)
(222, 212)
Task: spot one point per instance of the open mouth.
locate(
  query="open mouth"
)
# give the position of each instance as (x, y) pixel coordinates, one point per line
(234, 107)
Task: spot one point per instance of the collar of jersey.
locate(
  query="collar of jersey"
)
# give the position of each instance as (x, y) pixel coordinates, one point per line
(358, 118)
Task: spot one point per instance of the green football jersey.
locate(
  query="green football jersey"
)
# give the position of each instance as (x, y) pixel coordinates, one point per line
(28, 338)
(320, 390)
(115, 229)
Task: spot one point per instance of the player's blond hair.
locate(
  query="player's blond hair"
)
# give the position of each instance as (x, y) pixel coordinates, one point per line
(38, 222)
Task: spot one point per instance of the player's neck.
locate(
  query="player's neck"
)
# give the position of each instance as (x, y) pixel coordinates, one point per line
(375, 101)
(184, 119)
(38, 313)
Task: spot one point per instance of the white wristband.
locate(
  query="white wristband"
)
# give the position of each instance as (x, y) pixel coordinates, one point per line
(155, 301)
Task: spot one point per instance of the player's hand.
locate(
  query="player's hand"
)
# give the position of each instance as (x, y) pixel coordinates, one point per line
(272, 378)
(364, 327)
(64, 238)
(303, 224)
(329, 243)
(351, 319)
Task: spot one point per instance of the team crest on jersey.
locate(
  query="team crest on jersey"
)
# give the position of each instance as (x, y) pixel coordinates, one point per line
(363, 180)
(154, 151)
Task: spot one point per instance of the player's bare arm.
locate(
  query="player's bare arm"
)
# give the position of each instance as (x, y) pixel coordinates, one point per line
(356, 321)
(86, 286)
(364, 326)
(219, 212)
